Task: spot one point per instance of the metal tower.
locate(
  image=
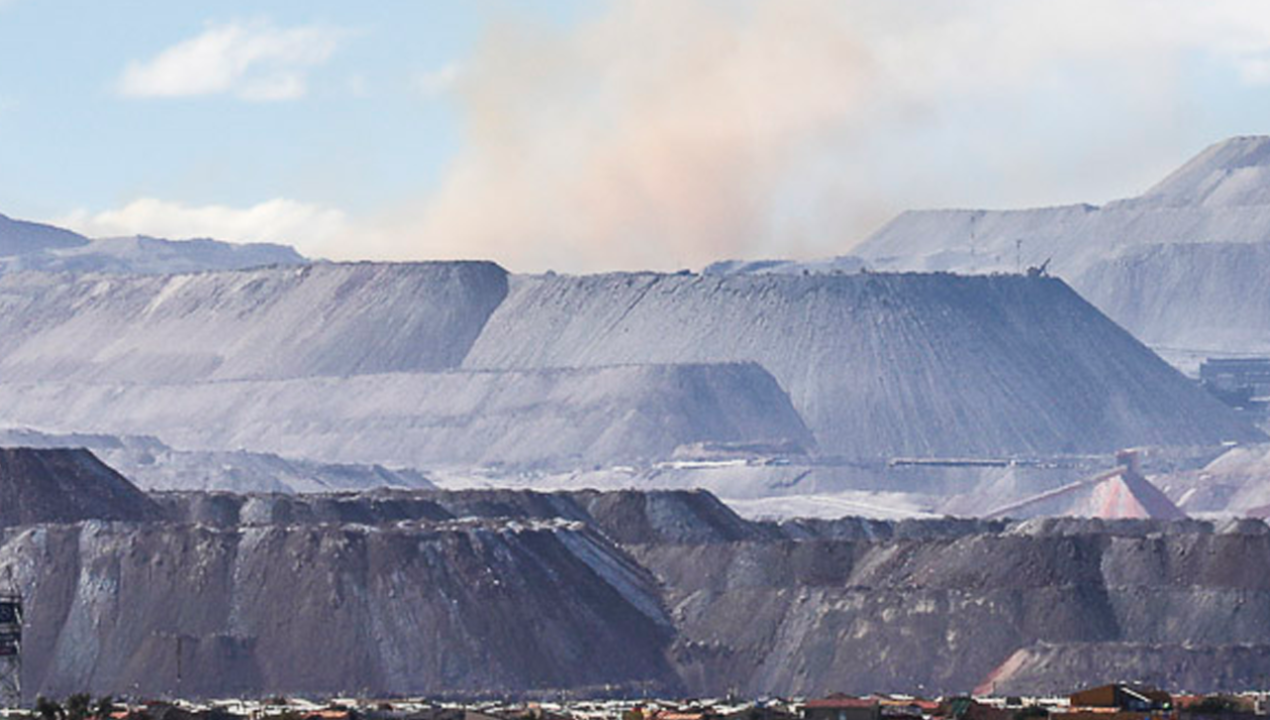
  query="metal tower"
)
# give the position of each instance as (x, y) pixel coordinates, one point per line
(10, 649)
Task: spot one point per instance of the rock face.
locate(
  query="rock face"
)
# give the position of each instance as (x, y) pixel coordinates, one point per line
(661, 517)
(879, 365)
(514, 591)
(41, 485)
(945, 613)
(328, 609)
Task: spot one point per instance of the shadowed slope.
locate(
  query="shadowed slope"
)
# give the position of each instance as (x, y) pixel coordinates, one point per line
(18, 237)
(63, 485)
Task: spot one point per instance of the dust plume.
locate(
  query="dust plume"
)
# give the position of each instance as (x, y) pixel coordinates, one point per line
(660, 134)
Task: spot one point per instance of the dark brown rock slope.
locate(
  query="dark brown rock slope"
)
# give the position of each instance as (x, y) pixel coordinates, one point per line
(943, 614)
(507, 591)
(412, 607)
(61, 485)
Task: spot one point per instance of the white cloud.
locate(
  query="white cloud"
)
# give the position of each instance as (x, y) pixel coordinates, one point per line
(254, 61)
(311, 229)
(439, 81)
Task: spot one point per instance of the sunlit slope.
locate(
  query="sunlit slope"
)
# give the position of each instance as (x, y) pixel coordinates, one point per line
(321, 320)
(880, 364)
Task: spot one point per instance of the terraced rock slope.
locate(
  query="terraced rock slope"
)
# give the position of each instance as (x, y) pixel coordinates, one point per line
(438, 592)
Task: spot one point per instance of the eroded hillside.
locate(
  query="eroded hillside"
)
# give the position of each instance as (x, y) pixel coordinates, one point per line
(517, 591)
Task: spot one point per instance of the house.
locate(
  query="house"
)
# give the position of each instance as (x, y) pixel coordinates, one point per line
(908, 707)
(842, 707)
(1120, 702)
(1131, 698)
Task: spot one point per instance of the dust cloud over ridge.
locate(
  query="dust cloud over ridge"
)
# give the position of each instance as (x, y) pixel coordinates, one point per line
(659, 134)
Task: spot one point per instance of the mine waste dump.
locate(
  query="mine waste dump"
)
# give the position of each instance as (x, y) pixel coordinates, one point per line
(460, 365)
(1179, 266)
(503, 591)
(232, 471)
(886, 394)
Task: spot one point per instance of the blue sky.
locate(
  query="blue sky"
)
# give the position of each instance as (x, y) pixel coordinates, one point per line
(592, 134)
(362, 128)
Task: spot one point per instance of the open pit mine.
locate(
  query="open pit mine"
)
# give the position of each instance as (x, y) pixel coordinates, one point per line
(230, 470)
(198, 594)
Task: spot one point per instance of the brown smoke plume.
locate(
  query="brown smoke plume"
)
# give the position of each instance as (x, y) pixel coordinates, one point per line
(658, 135)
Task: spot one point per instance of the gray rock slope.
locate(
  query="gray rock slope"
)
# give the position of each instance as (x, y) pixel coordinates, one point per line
(625, 516)
(1231, 173)
(1219, 196)
(34, 246)
(1181, 266)
(38, 485)
(412, 607)
(1055, 668)
(945, 614)
(1188, 297)
(267, 323)
(153, 465)
(503, 591)
(592, 415)
(879, 365)
(446, 364)
(148, 255)
(19, 237)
